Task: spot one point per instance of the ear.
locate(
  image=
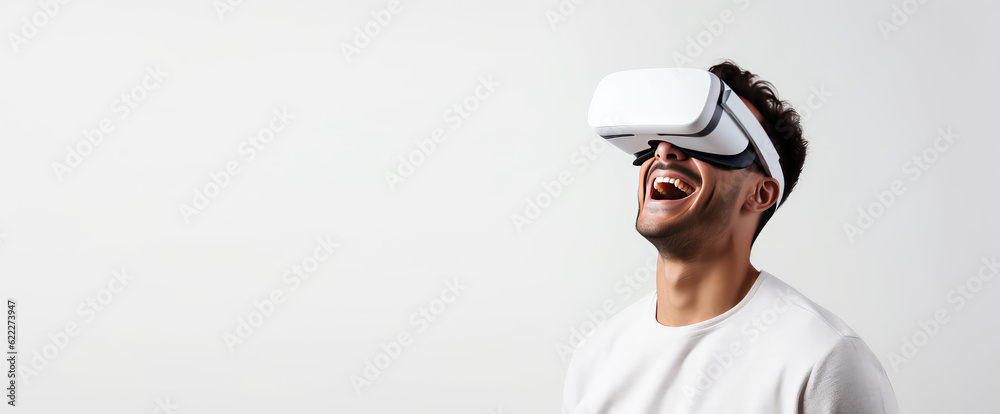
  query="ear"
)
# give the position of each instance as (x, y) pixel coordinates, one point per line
(764, 195)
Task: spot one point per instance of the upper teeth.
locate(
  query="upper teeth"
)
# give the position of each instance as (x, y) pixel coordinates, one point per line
(677, 183)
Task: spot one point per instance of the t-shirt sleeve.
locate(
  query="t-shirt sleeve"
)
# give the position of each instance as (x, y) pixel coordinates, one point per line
(850, 379)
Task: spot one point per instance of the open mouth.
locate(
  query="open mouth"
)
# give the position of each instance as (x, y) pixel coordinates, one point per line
(667, 188)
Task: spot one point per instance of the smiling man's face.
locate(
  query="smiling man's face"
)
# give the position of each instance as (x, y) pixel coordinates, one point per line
(685, 202)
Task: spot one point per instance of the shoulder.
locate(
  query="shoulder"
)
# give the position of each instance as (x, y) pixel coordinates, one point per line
(849, 379)
(845, 375)
(601, 342)
(800, 313)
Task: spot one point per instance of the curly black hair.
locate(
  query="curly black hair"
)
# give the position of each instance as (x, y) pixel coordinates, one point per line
(780, 121)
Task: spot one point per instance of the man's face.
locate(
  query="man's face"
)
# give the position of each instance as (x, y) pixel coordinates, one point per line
(703, 206)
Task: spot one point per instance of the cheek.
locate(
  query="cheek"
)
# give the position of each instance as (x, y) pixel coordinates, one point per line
(729, 194)
(642, 180)
(639, 193)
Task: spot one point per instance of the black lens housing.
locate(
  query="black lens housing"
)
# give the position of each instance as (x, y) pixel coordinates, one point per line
(729, 162)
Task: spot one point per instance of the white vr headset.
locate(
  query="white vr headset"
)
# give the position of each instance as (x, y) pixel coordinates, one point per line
(690, 108)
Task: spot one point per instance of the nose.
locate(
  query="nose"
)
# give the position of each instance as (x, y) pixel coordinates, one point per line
(666, 150)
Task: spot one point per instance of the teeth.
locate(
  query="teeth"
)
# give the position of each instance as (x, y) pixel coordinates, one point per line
(677, 183)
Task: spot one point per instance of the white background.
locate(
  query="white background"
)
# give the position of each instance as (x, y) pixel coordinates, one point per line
(161, 339)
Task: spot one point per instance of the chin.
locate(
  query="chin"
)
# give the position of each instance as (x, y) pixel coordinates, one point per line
(657, 229)
(678, 236)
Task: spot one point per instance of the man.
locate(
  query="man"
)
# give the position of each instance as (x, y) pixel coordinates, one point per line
(718, 335)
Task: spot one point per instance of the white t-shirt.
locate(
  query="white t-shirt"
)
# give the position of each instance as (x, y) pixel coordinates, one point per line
(774, 352)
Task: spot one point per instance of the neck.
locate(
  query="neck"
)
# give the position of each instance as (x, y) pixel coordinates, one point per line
(695, 290)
